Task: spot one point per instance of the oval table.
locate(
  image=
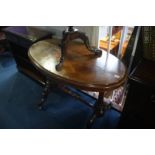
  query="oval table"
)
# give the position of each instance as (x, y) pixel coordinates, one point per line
(80, 69)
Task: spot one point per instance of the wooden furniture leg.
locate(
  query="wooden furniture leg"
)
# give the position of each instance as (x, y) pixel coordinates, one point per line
(99, 109)
(71, 34)
(44, 95)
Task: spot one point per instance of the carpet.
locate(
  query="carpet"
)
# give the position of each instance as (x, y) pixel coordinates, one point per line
(19, 96)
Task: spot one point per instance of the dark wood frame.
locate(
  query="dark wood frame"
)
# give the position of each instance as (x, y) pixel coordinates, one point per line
(55, 80)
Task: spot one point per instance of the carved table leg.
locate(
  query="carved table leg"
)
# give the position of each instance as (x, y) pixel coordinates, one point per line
(99, 109)
(85, 39)
(44, 95)
(70, 34)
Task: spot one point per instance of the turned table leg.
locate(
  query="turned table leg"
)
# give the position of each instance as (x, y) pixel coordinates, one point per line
(44, 95)
(99, 109)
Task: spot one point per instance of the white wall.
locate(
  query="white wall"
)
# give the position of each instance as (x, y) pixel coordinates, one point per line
(103, 31)
(91, 31)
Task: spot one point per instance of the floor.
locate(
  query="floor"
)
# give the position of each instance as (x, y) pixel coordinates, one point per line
(19, 96)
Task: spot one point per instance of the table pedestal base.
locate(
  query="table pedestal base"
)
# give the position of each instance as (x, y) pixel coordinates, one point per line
(71, 34)
(98, 109)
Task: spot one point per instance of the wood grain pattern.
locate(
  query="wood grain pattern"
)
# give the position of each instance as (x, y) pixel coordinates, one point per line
(81, 68)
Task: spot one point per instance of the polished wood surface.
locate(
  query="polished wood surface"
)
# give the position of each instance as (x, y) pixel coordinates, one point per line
(81, 68)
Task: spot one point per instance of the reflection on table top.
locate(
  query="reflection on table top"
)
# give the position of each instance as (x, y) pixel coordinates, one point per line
(81, 68)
